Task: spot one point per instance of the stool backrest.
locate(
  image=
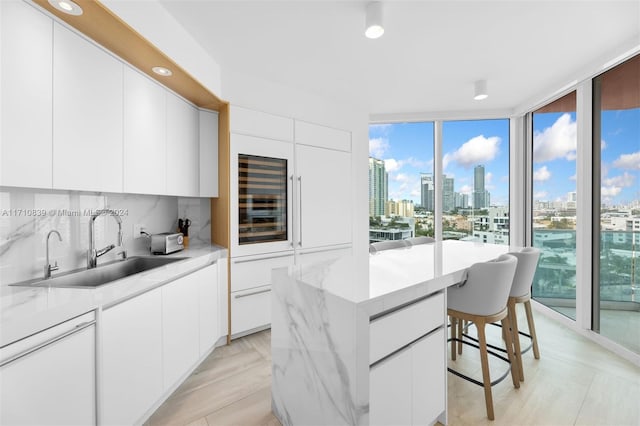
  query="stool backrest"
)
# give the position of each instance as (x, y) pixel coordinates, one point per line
(420, 240)
(387, 245)
(527, 264)
(487, 287)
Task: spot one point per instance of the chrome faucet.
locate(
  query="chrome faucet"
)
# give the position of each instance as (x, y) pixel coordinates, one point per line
(47, 267)
(93, 254)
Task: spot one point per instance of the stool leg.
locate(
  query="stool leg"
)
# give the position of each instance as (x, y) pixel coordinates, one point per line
(461, 325)
(453, 322)
(532, 329)
(513, 315)
(515, 378)
(488, 398)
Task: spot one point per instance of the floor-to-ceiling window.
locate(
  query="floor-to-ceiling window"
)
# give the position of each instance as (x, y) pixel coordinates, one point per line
(554, 203)
(401, 181)
(616, 117)
(475, 180)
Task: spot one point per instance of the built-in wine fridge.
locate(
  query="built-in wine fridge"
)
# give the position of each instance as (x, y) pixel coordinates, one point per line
(262, 181)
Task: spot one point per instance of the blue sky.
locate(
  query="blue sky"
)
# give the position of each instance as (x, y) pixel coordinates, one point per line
(407, 149)
(554, 168)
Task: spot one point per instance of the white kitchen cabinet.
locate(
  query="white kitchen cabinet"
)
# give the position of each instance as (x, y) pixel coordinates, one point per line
(180, 328)
(257, 123)
(131, 358)
(182, 162)
(207, 282)
(144, 134)
(251, 290)
(408, 387)
(322, 136)
(208, 153)
(390, 398)
(428, 377)
(49, 378)
(87, 115)
(323, 193)
(27, 94)
(250, 309)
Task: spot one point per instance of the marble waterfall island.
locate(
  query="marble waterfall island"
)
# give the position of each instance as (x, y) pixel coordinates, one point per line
(351, 350)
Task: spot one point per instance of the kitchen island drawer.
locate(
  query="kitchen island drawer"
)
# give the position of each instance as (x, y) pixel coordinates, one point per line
(250, 309)
(400, 327)
(249, 273)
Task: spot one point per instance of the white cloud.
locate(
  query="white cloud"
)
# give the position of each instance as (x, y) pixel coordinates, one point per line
(610, 191)
(378, 147)
(392, 165)
(466, 189)
(557, 141)
(628, 161)
(603, 145)
(401, 177)
(614, 185)
(488, 178)
(477, 150)
(574, 177)
(624, 180)
(540, 195)
(504, 178)
(542, 174)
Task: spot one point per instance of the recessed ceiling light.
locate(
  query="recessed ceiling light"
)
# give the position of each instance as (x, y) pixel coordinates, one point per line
(165, 72)
(480, 90)
(66, 6)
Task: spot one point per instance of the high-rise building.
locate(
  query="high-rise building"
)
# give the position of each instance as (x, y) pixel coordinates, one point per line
(378, 187)
(448, 196)
(427, 193)
(481, 197)
(402, 208)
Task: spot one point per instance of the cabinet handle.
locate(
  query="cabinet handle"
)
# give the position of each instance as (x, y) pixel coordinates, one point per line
(300, 211)
(292, 236)
(238, 296)
(47, 342)
(262, 258)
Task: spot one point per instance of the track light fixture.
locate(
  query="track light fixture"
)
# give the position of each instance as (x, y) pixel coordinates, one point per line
(480, 90)
(373, 27)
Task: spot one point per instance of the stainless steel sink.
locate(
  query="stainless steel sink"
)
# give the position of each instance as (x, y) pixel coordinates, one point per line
(103, 274)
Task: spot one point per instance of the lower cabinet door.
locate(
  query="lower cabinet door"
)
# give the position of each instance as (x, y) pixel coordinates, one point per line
(207, 281)
(53, 385)
(180, 328)
(390, 390)
(428, 361)
(250, 309)
(131, 358)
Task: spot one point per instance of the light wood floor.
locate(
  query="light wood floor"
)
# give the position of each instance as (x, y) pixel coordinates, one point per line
(576, 382)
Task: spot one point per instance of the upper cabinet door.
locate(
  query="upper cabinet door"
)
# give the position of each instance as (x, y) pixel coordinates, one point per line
(183, 170)
(145, 138)
(87, 115)
(208, 154)
(25, 104)
(322, 136)
(323, 197)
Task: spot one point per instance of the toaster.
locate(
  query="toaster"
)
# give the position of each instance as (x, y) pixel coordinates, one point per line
(167, 242)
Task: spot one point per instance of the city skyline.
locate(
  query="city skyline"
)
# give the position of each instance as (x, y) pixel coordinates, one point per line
(407, 150)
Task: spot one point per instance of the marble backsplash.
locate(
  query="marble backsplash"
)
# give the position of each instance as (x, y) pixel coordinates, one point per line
(27, 216)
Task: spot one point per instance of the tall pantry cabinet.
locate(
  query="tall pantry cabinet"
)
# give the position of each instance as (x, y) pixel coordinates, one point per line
(290, 192)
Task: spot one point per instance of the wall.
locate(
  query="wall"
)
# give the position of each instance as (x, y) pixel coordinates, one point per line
(27, 215)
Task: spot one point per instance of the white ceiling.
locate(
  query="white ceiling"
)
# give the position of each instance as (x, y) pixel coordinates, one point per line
(431, 52)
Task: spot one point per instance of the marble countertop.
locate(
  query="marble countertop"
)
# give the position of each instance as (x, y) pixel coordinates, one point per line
(27, 310)
(400, 275)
